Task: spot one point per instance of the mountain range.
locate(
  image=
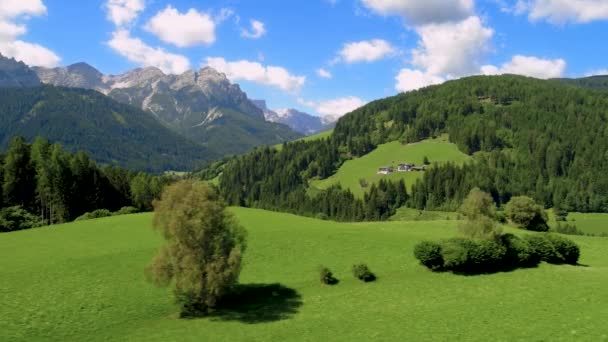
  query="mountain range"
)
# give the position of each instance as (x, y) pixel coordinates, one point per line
(202, 105)
(198, 116)
(301, 122)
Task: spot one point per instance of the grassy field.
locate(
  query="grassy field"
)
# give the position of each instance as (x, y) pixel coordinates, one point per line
(321, 135)
(84, 282)
(591, 223)
(391, 154)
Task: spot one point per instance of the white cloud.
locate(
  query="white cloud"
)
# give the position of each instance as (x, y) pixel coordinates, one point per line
(30, 53)
(255, 72)
(600, 72)
(9, 31)
(182, 29)
(452, 49)
(333, 109)
(529, 66)
(409, 79)
(15, 8)
(366, 51)
(418, 12)
(137, 51)
(324, 73)
(258, 29)
(123, 12)
(563, 11)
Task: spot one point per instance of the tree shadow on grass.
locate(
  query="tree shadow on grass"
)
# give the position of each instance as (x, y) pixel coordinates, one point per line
(258, 303)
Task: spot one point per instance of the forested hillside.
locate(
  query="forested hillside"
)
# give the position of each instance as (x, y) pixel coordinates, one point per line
(110, 131)
(539, 138)
(592, 82)
(43, 184)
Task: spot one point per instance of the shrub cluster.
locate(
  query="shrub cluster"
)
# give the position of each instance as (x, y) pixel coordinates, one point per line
(99, 213)
(363, 273)
(16, 218)
(555, 249)
(469, 256)
(327, 277)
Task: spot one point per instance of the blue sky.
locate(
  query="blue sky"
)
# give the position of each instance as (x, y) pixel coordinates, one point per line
(367, 49)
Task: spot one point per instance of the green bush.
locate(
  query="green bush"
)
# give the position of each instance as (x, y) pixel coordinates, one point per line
(363, 273)
(541, 244)
(485, 256)
(455, 254)
(567, 228)
(99, 213)
(519, 253)
(429, 254)
(17, 218)
(126, 211)
(327, 277)
(524, 212)
(568, 251)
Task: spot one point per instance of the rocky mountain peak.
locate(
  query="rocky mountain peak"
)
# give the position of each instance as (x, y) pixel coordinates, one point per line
(14, 73)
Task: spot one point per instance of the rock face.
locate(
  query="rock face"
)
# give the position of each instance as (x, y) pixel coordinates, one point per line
(16, 74)
(304, 123)
(202, 105)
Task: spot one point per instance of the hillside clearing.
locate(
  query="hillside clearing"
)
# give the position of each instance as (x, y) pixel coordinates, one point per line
(391, 154)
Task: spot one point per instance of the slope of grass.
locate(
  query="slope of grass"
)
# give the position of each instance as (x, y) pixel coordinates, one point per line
(84, 282)
(318, 136)
(391, 154)
(409, 214)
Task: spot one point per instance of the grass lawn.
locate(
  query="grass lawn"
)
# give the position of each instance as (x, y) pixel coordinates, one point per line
(84, 282)
(391, 154)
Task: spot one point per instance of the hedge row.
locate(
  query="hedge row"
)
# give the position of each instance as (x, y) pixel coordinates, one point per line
(468, 256)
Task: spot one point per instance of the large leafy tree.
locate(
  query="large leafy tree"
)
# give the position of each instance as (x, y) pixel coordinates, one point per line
(19, 176)
(204, 246)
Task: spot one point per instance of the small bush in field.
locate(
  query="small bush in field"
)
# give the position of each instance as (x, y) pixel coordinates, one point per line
(363, 273)
(544, 248)
(327, 277)
(126, 211)
(568, 251)
(519, 252)
(429, 254)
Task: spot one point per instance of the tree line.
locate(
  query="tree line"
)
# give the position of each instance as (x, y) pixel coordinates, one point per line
(43, 181)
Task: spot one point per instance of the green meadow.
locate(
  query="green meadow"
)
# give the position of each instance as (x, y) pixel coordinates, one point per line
(84, 281)
(391, 154)
(318, 136)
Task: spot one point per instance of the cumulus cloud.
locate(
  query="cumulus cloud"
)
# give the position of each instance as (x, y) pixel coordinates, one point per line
(563, 11)
(137, 51)
(123, 12)
(418, 12)
(529, 66)
(453, 49)
(255, 72)
(258, 29)
(182, 29)
(409, 79)
(324, 73)
(366, 51)
(32, 54)
(333, 109)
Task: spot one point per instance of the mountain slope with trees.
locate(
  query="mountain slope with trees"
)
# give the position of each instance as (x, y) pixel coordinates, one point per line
(110, 131)
(528, 137)
(202, 105)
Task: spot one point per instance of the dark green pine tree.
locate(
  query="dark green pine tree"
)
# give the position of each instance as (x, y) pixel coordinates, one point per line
(19, 175)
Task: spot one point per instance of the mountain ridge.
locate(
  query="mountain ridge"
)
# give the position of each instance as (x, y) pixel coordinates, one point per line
(190, 103)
